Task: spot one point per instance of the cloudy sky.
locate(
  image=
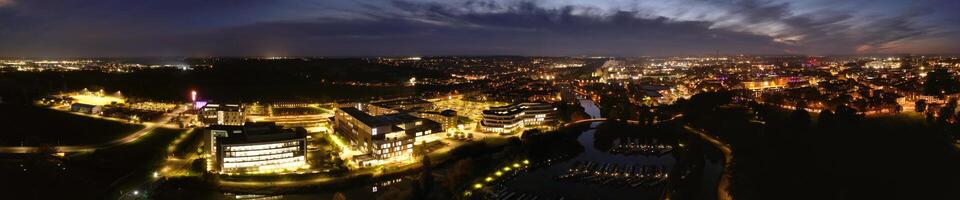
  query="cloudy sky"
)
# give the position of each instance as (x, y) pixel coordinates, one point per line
(53, 28)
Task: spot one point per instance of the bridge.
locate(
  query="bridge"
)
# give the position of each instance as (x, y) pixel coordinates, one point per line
(603, 119)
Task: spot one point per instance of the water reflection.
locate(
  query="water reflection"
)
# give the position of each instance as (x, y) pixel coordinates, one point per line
(590, 107)
(593, 174)
(360, 191)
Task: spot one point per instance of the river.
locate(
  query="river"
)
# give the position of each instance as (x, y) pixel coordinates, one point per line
(590, 107)
(544, 182)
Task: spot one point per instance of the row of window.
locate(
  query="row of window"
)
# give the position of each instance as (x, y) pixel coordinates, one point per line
(395, 149)
(262, 146)
(396, 153)
(256, 158)
(227, 166)
(388, 145)
(262, 152)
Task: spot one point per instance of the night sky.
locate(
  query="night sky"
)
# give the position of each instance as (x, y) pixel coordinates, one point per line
(78, 28)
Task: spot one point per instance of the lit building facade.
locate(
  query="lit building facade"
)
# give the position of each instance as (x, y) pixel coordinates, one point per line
(384, 138)
(222, 114)
(518, 117)
(777, 83)
(255, 148)
(447, 118)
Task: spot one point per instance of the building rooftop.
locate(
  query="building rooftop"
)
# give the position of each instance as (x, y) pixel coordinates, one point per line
(513, 108)
(365, 118)
(400, 103)
(222, 107)
(257, 132)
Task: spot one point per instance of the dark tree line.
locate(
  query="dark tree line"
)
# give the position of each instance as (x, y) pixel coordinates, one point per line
(781, 154)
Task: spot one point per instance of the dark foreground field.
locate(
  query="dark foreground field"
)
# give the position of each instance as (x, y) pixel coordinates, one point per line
(101, 174)
(33, 126)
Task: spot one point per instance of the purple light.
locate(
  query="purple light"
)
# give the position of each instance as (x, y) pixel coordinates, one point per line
(199, 104)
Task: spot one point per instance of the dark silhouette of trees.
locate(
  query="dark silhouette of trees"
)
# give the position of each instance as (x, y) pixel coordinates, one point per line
(800, 119)
(847, 115)
(199, 165)
(946, 113)
(826, 119)
(921, 105)
(461, 172)
(701, 105)
(339, 196)
(940, 82)
(426, 178)
(646, 115)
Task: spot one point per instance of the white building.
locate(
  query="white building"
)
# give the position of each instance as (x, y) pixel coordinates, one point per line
(518, 117)
(255, 148)
(222, 114)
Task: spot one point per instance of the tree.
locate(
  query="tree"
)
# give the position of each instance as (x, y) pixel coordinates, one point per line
(199, 165)
(826, 118)
(426, 178)
(846, 114)
(940, 82)
(800, 118)
(921, 105)
(946, 114)
(339, 196)
(460, 173)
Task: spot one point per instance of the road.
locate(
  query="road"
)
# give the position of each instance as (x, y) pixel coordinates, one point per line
(723, 192)
(171, 167)
(147, 129)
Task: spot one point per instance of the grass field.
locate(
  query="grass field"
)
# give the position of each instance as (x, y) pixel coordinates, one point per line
(100, 174)
(34, 126)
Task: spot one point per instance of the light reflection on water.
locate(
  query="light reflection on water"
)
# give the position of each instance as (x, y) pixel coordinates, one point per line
(541, 181)
(590, 107)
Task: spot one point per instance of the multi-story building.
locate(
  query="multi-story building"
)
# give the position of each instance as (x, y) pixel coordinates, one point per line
(518, 117)
(222, 114)
(384, 138)
(447, 118)
(399, 105)
(255, 148)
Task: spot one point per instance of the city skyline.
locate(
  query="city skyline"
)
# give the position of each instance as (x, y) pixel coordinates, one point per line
(438, 28)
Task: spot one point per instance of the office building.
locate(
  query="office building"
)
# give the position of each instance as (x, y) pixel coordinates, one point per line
(384, 138)
(447, 118)
(222, 114)
(518, 117)
(255, 148)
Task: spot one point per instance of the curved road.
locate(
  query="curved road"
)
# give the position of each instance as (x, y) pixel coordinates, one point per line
(150, 126)
(723, 193)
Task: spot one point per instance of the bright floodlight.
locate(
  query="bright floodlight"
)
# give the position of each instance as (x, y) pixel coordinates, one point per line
(97, 100)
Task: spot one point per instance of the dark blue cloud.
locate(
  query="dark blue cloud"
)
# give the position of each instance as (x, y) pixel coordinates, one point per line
(471, 27)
